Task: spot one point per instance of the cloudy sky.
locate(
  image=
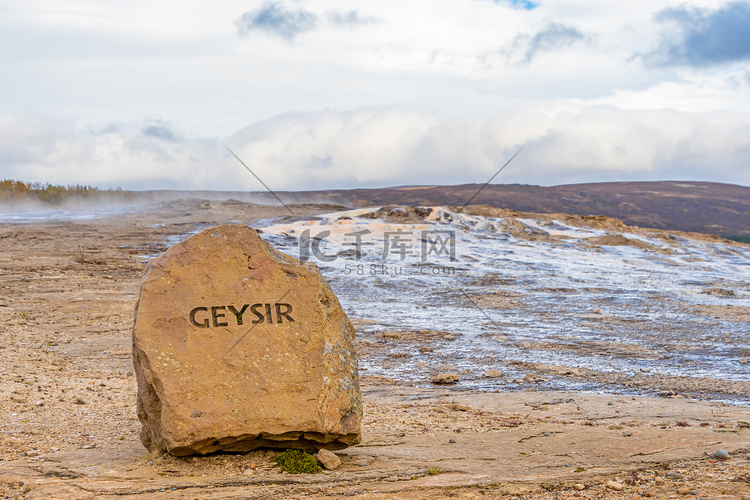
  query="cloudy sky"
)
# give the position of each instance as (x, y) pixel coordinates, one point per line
(318, 94)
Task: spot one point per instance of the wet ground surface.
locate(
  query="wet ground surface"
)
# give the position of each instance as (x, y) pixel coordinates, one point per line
(543, 301)
(630, 303)
(68, 427)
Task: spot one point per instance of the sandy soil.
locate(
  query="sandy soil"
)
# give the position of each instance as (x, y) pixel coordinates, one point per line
(67, 402)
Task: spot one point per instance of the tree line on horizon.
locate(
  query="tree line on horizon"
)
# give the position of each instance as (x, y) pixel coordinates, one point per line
(50, 194)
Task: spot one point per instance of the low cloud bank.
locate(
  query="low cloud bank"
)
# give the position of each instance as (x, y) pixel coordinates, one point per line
(565, 143)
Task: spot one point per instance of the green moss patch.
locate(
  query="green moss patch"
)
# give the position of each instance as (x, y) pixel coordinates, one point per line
(297, 462)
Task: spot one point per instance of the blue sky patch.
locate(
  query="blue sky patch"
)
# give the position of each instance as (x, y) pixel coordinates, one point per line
(524, 4)
(702, 37)
(518, 4)
(277, 19)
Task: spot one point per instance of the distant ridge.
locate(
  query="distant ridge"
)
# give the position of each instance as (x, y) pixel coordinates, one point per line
(704, 207)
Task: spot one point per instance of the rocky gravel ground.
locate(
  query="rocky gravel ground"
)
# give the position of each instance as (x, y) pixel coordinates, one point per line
(68, 427)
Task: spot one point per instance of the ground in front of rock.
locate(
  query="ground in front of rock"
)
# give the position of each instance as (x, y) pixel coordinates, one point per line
(66, 345)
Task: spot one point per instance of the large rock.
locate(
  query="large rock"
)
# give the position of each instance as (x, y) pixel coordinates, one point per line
(238, 346)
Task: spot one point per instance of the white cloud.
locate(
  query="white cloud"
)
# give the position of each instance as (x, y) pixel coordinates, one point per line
(695, 36)
(566, 143)
(692, 92)
(135, 155)
(428, 93)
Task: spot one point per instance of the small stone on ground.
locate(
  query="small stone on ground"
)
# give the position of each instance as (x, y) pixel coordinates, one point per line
(446, 379)
(614, 485)
(721, 454)
(328, 459)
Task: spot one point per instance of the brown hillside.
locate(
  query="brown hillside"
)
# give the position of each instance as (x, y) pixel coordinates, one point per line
(705, 207)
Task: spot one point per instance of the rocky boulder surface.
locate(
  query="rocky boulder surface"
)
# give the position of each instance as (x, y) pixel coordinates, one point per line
(237, 346)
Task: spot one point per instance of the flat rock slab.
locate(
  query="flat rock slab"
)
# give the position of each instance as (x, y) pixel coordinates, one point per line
(580, 443)
(238, 346)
